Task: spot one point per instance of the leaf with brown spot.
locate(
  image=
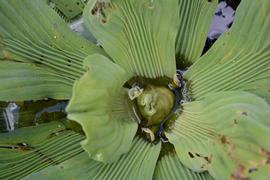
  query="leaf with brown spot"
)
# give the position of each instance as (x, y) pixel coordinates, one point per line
(206, 139)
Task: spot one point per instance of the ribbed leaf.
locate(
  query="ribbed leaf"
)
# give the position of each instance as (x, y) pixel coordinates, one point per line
(240, 59)
(68, 9)
(24, 81)
(32, 32)
(170, 167)
(138, 34)
(195, 20)
(138, 163)
(226, 133)
(31, 149)
(100, 104)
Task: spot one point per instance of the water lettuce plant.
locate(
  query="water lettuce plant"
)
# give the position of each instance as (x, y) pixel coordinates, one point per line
(142, 117)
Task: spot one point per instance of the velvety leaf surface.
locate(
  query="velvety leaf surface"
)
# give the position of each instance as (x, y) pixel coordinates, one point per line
(226, 133)
(31, 149)
(32, 32)
(194, 23)
(100, 104)
(170, 167)
(138, 34)
(138, 163)
(240, 59)
(24, 81)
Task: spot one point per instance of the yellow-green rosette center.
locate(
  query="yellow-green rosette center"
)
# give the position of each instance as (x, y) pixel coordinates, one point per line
(155, 103)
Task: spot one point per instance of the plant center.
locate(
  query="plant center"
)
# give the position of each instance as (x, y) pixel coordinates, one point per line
(154, 104)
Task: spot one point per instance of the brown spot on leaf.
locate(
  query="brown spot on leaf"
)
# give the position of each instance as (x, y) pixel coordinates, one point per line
(224, 140)
(244, 113)
(265, 152)
(190, 155)
(239, 173)
(267, 161)
(53, 134)
(251, 170)
(208, 159)
(7, 54)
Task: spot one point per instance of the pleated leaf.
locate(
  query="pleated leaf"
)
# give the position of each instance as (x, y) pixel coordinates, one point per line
(100, 104)
(226, 133)
(68, 9)
(24, 81)
(240, 59)
(31, 149)
(138, 34)
(195, 20)
(170, 167)
(138, 163)
(31, 32)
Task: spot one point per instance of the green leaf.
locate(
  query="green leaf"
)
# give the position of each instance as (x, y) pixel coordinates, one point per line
(31, 32)
(31, 149)
(100, 104)
(240, 59)
(170, 167)
(226, 133)
(68, 9)
(138, 34)
(138, 163)
(195, 20)
(24, 81)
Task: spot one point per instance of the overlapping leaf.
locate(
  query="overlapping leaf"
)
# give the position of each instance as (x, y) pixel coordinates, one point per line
(240, 59)
(68, 9)
(33, 33)
(138, 34)
(138, 163)
(100, 104)
(226, 133)
(195, 20)
(24, 81)
(170, 167)
(32, 149)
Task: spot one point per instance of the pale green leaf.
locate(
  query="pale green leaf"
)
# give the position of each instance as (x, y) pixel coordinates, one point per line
(226, 133)
(31, 149)
(100, 104)
(240, 59)
(68, 9)
(195, 20)
(24, 81)
(138, 34)
(138, 163)
(170, 167)
(31, 32)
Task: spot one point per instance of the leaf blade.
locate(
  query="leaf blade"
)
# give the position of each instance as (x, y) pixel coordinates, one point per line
(224, 134)
(100, 104)
(140, 30)
(240, 59)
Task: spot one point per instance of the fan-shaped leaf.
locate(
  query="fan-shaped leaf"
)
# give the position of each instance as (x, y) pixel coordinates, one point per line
(226, 134)
(143, 31)
(240, 59)
(170, 167)
(100, 104)
(68, 9)
(31, 149)
(24, 81)
(33, 33)
(138, 163)
(195, 20)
